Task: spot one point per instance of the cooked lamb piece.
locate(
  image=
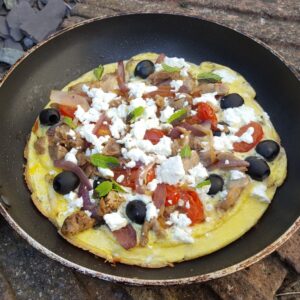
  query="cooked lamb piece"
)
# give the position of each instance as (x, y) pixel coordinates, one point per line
(110, 203)
(163, 78)
(40, 145)
(112, 148)
(77, 222)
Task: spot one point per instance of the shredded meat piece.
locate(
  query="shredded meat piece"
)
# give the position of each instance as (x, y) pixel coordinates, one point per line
(226, 160)
(57, 152)
(195, 142)
(160, 101)
(90, 170)
(77, 222)
(204, 87)
(110, 203)
(234, 191)
(40, 145)
(126, 236)
(108, 83)
(178, 103)
(81, 159)
(60, 142)
(188, 85)
(163, 77)
(190, 162)
(112, 148)
(147, 226)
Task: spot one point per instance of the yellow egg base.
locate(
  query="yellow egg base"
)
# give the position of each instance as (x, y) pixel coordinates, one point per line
(209, 236)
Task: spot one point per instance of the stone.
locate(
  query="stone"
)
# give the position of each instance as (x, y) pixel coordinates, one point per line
(290, 291)
(46, 21)
(10, 43)
(28, 43)
(71, 21)
(9, 4)
(6, 291)
(1, 43)
(4, 31)
(19, 14)
(10, 56)
(259, 282)
(290, 251)
(3, 11)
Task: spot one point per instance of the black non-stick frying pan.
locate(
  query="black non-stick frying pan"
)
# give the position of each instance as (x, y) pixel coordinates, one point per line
(25, 91)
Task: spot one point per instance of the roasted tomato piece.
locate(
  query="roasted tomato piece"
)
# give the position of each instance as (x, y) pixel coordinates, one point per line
(193, 120)
(192, 204)
(153, 135)
(206, 113)
(103, 130)
(130, 176)
(257, 135)
(150, 175)
(67, 110)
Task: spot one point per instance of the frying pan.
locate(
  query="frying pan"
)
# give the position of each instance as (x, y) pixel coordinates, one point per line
(25, 90)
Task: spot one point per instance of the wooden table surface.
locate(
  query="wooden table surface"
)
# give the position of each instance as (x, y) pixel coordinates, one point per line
(27, 274)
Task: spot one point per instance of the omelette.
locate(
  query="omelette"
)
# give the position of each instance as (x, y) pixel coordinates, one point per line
(154, 160)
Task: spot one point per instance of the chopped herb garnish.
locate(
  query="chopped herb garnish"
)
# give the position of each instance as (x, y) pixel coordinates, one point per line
(203, 183)
(210, 77)
(69, 121)
(186, 152)
(104, 161)
(117, 187)
(177, 115)
(98, 72)
(135, 114)
(104, 188)
(170, 69)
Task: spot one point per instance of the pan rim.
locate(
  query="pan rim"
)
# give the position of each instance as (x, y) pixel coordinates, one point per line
(136, 281)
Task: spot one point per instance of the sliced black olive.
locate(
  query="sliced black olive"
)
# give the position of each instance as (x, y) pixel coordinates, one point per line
(231, 100)
(258, 169)
(144, 68)
(97, 181)
(217, 133)
(216, 184)
(65, 182)
(49, 116)
(136, 211)
(269, 149)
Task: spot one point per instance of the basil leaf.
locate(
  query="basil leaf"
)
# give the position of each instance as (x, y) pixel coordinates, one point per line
(170, 69)
(177, 114)
(186, 152)
(210, 77)
(117, 187)
(98, 72)
(104, 161)
(69, 121)
(104, 188)
(137, 112)
(203, 183)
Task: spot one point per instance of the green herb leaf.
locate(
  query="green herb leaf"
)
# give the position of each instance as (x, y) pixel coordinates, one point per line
(117, 187)
(104, 188)
(136, 113)
(104, 161)
(203, 183)
(98, 72)
(210, 77)
(186, 152)
(170, 69)
(177, 114)
(69, 121)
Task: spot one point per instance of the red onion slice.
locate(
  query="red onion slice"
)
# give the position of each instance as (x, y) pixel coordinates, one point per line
(69, 166)
(121, 77)
(159, 195)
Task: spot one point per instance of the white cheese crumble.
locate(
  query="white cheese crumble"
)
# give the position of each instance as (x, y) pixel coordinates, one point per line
(166, 113)
(180, 230)
(207, 97)
(235, 175)
(176, 62)
(196, 174)
(176, 85)
(74, 202)
(247, 136)
(171, 170)
(227, 76)
(151, 211)
(71, 156)
(115, 221)
(259, 191)
(136, 155)
(224, 142)
(138, 88)
(72, 134)
(106, 172)
(120, 178)
(239, 116)
(152, 185)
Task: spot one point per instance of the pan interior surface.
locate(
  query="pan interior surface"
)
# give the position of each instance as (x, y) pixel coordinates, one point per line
(62, 59)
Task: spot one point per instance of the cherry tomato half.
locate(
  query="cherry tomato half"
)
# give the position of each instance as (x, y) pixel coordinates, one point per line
(153, 135)
(257, 136)
(206, 113)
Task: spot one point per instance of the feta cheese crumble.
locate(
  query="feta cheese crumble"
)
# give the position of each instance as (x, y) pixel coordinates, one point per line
(207, 97)
(151, 211)
(239, 116)
(227, 76)
(171, 170)
(180, 230)
(259, 192)
(71, 156)
(115, 221)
